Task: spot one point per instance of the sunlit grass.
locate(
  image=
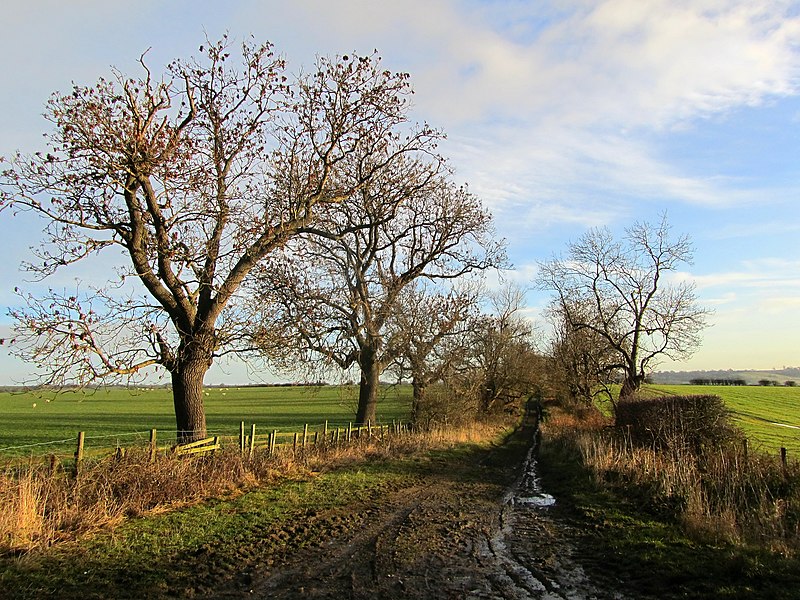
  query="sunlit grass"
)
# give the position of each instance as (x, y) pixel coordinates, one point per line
(720, 525)
(124, 417)
(254, 508)
(767, 414)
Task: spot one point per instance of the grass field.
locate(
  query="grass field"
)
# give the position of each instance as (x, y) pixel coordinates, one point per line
(770, 416)
(32, 423)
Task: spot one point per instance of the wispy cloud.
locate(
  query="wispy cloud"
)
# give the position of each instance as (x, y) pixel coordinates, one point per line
(587, 95)
(773, 274)
(769, 227)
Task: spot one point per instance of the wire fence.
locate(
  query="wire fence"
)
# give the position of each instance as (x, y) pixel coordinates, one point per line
(248, 436)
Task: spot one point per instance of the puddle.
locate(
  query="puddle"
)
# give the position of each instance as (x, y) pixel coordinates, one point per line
(528, 490)
(541, 501)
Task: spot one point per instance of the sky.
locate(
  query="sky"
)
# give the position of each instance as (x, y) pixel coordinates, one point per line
(561, 115)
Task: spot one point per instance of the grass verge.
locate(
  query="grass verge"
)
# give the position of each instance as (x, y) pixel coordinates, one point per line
(187, 552)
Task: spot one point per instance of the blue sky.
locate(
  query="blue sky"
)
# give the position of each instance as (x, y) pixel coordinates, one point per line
(561, 115)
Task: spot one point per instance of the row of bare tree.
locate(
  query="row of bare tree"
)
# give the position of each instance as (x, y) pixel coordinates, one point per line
(301, 218)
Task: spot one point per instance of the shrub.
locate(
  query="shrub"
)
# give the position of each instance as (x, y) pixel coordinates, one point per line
(445, 404)
(677, 423)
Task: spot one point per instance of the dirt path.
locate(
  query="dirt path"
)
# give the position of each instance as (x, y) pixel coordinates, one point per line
(476, 531)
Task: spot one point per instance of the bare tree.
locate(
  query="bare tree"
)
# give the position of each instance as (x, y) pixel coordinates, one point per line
(506, 366)
(429, 339)
(616, 290)
(584, 364)
(338, 289)
(196, 177)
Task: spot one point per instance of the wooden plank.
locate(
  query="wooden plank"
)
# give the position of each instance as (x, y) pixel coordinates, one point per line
(198, 450)
(195, 444)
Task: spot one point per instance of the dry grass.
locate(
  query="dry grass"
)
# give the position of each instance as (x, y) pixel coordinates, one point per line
(42, 506)
(725, 494)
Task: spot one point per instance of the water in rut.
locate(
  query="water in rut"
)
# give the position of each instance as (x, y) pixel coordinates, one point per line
(530, 560)
(461, 531)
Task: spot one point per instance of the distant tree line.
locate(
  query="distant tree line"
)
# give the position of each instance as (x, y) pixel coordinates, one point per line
(717, 381)
(738, 381)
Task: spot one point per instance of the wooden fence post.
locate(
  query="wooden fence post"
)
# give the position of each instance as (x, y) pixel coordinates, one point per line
(153, 446)
(294, 444)
(783, 461)
(79, 451)
(252, 439)
(369, 429)
(305, 435)
(241, 438)
(274, 440)
(349, 432)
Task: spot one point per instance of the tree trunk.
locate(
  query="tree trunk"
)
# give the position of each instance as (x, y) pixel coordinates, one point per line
(488, 395)
(416, 402)
(187, 395)
(629, 388)
(368, 388)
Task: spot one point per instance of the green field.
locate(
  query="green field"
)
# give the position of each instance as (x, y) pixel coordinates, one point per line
(770, 416)
(44, 423)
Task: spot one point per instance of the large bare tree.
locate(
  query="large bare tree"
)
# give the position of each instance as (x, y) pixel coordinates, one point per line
(616, 289)
(338, 288)
(196, 177)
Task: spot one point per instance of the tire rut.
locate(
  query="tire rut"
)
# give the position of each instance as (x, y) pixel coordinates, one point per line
(452, 537)
(342, 565)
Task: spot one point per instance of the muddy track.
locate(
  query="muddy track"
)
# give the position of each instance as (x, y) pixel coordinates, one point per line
(478, 531)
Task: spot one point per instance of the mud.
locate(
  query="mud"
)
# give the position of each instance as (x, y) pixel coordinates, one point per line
(474, 531)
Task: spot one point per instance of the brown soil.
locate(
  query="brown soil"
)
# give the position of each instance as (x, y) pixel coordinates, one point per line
(469, 530)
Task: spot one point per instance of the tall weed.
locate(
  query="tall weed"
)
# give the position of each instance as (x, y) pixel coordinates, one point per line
(724, 493)
(40, 505)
